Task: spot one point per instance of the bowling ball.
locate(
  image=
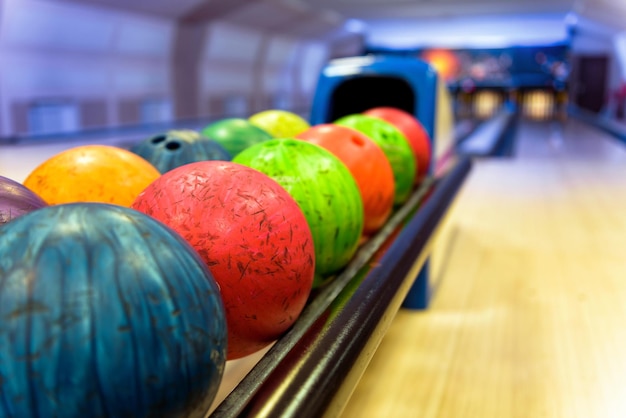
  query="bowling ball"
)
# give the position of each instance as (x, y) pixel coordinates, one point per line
(251, 234)
(178, 147)
(325, 191)
(235, 134)
(16, 200)
(413, 131)
(279, 123)
(367, 164)
(105, 312)
(92, 173)
(394, 145)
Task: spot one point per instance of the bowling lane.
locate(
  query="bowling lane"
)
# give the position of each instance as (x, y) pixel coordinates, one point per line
(570, 142)
(528, 319)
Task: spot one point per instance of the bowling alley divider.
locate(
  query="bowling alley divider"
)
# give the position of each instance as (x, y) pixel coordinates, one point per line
(493, 137)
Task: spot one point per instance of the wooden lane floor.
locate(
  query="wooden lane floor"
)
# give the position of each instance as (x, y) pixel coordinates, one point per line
(529, 319)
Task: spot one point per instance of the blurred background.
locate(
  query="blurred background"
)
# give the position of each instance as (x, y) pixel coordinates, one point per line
(78, 65)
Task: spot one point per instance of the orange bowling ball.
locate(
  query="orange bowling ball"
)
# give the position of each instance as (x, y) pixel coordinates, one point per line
(367, 164)
(413, 131)
(92, 173)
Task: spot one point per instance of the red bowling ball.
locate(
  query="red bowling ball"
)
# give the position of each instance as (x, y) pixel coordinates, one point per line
(253, 237)
(414, 132)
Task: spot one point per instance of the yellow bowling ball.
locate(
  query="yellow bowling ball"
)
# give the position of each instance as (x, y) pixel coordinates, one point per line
(92, 173)
(279, 123)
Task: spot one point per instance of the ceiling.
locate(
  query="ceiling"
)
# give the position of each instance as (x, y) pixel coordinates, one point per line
(324, 18)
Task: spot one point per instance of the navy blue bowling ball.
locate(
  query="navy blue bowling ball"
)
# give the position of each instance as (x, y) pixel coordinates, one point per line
(179, 147)
(16, 200)
(105, 312)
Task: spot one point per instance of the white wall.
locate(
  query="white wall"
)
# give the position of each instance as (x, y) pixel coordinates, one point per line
(257, 70)
(107, 63)
(227, 67)
(58, 51)
(606, 13)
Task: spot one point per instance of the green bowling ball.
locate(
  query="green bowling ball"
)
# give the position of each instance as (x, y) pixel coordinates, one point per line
(395, 146)
(323, 188)
(235, 134)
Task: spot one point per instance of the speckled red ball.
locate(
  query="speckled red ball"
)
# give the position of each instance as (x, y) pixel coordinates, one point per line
(252, 235)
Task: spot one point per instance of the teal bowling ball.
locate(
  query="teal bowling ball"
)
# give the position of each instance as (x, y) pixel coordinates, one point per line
(235, 134)
(395, 146)
(174, 148)
(323, 188)
(105, 312)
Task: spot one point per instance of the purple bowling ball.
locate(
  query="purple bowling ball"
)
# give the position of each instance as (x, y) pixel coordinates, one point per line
(16, 200)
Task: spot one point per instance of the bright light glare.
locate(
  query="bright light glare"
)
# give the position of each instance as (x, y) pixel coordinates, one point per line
(478, 32)
(355, 26)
